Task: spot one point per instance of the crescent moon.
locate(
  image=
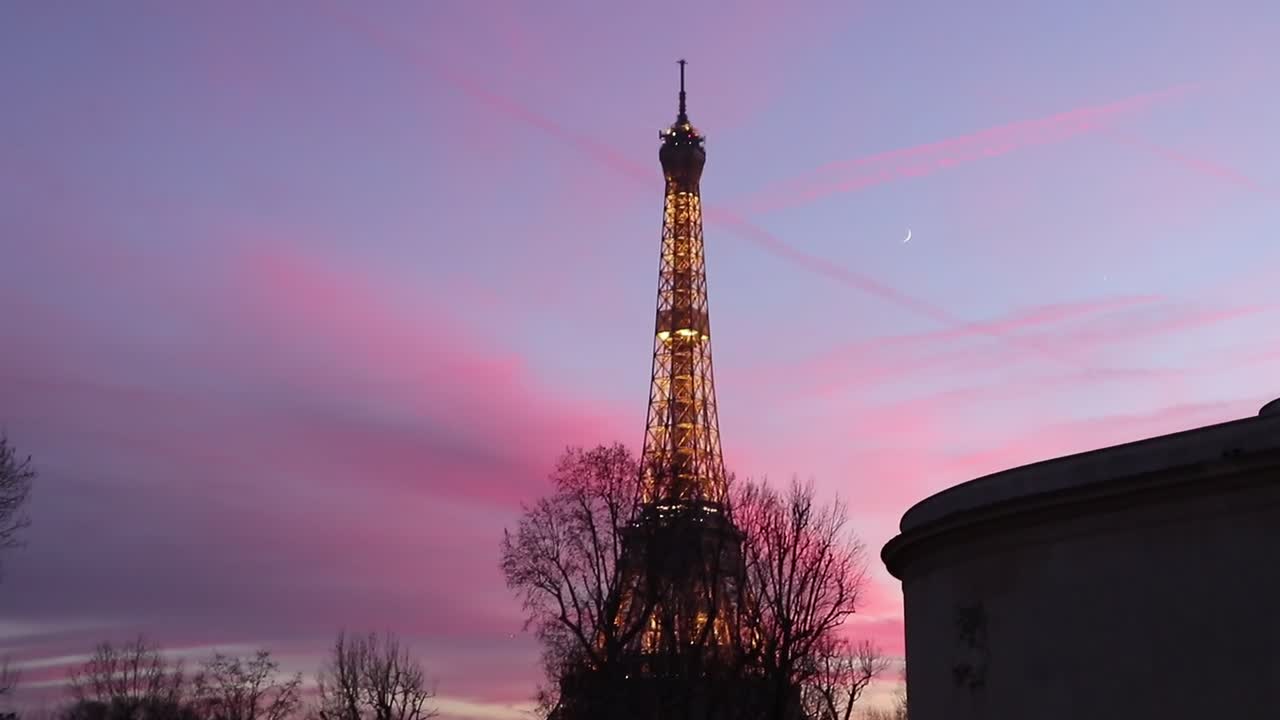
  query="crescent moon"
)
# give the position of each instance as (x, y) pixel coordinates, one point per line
(908, 238)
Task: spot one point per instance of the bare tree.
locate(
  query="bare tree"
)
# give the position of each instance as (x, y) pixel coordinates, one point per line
(841, 673)
(128, 681)
(35, 709)
(900, 698)
(339, 682)
(565, 557)
(395, 684)
(16, 476)
(897, 710)
(41, 709)
(900, 704)
(805, 575)
(596, 584)
(8, 679)
(373, 678)
(232, 688)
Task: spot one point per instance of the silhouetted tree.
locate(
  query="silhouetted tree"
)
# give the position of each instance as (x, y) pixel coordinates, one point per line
(42, 709)
(16, 476)
(900, 697)
(8, 679)
(564, 561)
(128, 682)
(805, 574)
(370, 678)
(119, 709)
(233, 688)
(841, 672)
(898, 709)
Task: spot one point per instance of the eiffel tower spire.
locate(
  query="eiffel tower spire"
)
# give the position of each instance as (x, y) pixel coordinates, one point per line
(682, 463)
(683, 116)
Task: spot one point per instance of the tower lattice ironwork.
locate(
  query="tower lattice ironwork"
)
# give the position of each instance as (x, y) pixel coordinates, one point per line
(681, 461)
(677, 629)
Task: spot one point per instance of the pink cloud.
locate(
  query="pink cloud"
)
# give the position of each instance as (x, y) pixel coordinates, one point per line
(294, 467)
(998, 451)
(884, 633)
(1201, 166)
(1081, 331)
(1057, 439)
(922, 160)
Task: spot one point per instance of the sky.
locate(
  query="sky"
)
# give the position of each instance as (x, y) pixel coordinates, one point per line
(302, 300)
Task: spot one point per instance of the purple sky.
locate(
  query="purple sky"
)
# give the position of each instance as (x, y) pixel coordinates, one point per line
(301, 303)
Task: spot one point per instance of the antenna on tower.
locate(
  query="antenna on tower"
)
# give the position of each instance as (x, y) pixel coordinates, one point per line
(683, 117)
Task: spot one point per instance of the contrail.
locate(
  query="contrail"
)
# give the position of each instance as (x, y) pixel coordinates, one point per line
(598, 151)
(1201, 166)
(920, 160)
(870, 286)
(617, 162)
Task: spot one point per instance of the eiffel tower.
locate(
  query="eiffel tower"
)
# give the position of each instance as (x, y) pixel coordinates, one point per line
(683, 555)
(682, 567)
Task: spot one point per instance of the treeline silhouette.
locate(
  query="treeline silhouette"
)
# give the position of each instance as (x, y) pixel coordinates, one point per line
(796, 572)
(367, 677)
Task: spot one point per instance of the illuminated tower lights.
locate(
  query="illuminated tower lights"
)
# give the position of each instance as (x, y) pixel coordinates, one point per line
(681, 463)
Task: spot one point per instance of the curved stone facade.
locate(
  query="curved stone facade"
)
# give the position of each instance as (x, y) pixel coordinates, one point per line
(1137, 581)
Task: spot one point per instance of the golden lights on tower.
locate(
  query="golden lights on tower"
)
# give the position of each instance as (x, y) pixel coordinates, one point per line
(682, 462)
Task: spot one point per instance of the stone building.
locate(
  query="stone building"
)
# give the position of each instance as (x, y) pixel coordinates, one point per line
(1135, 581)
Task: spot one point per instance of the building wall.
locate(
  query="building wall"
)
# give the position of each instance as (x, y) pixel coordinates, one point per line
(1157, 598)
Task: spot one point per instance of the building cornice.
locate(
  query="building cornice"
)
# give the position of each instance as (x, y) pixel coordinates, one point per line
(1166, 466)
